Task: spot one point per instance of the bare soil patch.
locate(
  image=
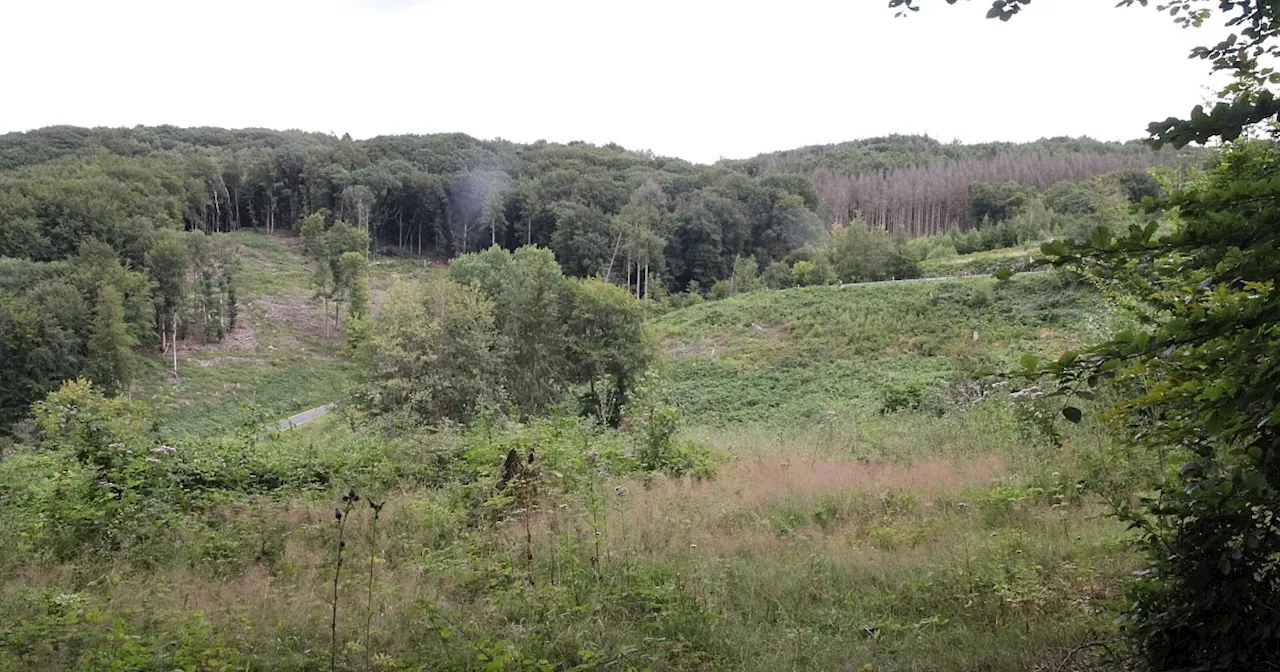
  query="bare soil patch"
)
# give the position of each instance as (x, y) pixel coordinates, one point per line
(714, 346)
(294, 313)
(243, 337)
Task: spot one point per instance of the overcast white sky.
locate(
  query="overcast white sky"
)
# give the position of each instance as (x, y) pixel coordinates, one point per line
(698, 79)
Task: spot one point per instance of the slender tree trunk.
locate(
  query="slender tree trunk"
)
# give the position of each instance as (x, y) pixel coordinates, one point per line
(173, 343)
(217, 211)
(613, 256)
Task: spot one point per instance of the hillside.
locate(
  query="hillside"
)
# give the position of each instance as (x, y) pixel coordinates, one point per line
(277, 362)
(839, 458)
(448, 193)
(160, 201)
(793, 356)
(768, 357)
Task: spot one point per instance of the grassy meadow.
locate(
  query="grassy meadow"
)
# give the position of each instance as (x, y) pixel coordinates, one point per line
(864, 505)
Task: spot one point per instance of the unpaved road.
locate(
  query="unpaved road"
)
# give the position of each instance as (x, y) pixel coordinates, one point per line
(306, 416)
(937, 279)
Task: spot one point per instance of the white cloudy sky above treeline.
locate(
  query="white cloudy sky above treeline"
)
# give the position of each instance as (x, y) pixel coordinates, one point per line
(698, 79)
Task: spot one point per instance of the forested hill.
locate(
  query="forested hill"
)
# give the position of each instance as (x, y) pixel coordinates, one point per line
(604, 210)
(919, 185)
(447, 193)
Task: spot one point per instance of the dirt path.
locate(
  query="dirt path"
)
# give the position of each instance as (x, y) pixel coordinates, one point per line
(937, 279)
(306, 416)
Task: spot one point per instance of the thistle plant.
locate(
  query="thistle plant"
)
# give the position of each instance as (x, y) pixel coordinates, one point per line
(341, 514)
(373, 544)
(594, 507)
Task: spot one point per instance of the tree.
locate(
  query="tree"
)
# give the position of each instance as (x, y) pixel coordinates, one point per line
(336, 276)
(1202, 378)
(582, 239)
(528, 316)
(110, 344)
(402, 355)
(212, 303)
(645, 238)
(312, 235)
(996, 202)
(35, 354)
(493, 216)
(354, 289)
(1138, 185)
(167, 265)
(435, 358)
(791, 225)
(469, 353)
(490, 271)
(819, 271)
(526, 288)
(699, 226)
(605, 345)
(777, 275)
(357, 206)
(857, 253)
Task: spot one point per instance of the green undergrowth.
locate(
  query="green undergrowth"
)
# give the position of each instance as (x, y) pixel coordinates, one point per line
(980, 263)
(791, 355)
(901, 541)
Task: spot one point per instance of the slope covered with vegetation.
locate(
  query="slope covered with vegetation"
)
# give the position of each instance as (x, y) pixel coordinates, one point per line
(869, 508)
(796, 355)
(113, 240)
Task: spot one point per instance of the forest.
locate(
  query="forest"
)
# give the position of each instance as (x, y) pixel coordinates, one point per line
(289, 400)
(109, 238)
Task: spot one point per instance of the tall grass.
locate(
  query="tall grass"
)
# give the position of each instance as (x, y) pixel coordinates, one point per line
(900, 542)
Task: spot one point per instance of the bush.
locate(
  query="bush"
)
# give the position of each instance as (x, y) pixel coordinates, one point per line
(857, 253)
(808, 273)
(777, 276)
